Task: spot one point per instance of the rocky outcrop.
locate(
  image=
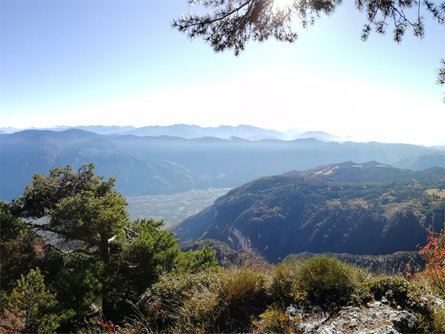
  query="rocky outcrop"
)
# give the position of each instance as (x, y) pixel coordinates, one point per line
(376, 317)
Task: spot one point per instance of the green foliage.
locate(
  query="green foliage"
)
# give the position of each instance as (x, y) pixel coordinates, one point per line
(17, 245)
(284, 277)
(47, 190)
(90, 218)
(31, 306)
(194, 261)
(390, 264)
(394, 288)
(226, 300)
(152, 252)
(90, 215)
(107, 262)
(245, 299)
(326, 281)
(78, 281)
(80, 206)
(226, 256)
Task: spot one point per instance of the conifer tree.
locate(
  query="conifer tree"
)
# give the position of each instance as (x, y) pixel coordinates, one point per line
(30, 307)
(99, 260)
(230, 24)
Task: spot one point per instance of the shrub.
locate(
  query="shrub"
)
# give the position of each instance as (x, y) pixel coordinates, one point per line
(30, 307)
(326, 281)
(195, 261)
(243, 294)
(394, 288)
(434, 255)
(276, 320)
(177, 297)
(439, 319)
(209, 301)
(240, 286)
(282, 281)
(200, 313)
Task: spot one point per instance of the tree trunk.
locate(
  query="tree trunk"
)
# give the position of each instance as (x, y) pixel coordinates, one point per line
(106, 258)
(104, 249)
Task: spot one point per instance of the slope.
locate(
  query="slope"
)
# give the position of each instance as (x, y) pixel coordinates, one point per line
(368, 208)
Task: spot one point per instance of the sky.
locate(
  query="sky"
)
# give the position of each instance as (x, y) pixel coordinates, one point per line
(119, 62)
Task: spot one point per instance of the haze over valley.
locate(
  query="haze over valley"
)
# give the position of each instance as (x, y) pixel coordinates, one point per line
(172, 173)
(149, 165)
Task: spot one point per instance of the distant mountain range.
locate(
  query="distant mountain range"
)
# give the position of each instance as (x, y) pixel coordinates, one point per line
(193, 131)
(368, 208)
(166, 164)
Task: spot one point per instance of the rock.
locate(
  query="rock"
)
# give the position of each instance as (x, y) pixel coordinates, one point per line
(385, 329)
(292, 310)
(328, 330)
(404, 321)
(431, 301)
(375, 317)
(306, 328)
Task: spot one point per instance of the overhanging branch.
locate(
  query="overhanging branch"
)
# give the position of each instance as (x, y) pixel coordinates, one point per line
(64, 234)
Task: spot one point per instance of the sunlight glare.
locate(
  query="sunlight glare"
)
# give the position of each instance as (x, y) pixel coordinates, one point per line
(281, 5)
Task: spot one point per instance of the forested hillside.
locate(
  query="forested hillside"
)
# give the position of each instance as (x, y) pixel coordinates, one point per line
(368, 208)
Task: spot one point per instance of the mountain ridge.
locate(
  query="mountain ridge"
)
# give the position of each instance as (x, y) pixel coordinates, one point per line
(167, 164)
(304, 211)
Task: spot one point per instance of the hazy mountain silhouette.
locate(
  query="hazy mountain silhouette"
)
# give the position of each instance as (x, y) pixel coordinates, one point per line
(165, 164)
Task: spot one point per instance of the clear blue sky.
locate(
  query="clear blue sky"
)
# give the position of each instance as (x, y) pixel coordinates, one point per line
(120, 62)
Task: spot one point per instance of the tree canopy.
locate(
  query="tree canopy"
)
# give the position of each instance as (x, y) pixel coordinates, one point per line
(230, 24)
(94, 260)
(80, 205)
